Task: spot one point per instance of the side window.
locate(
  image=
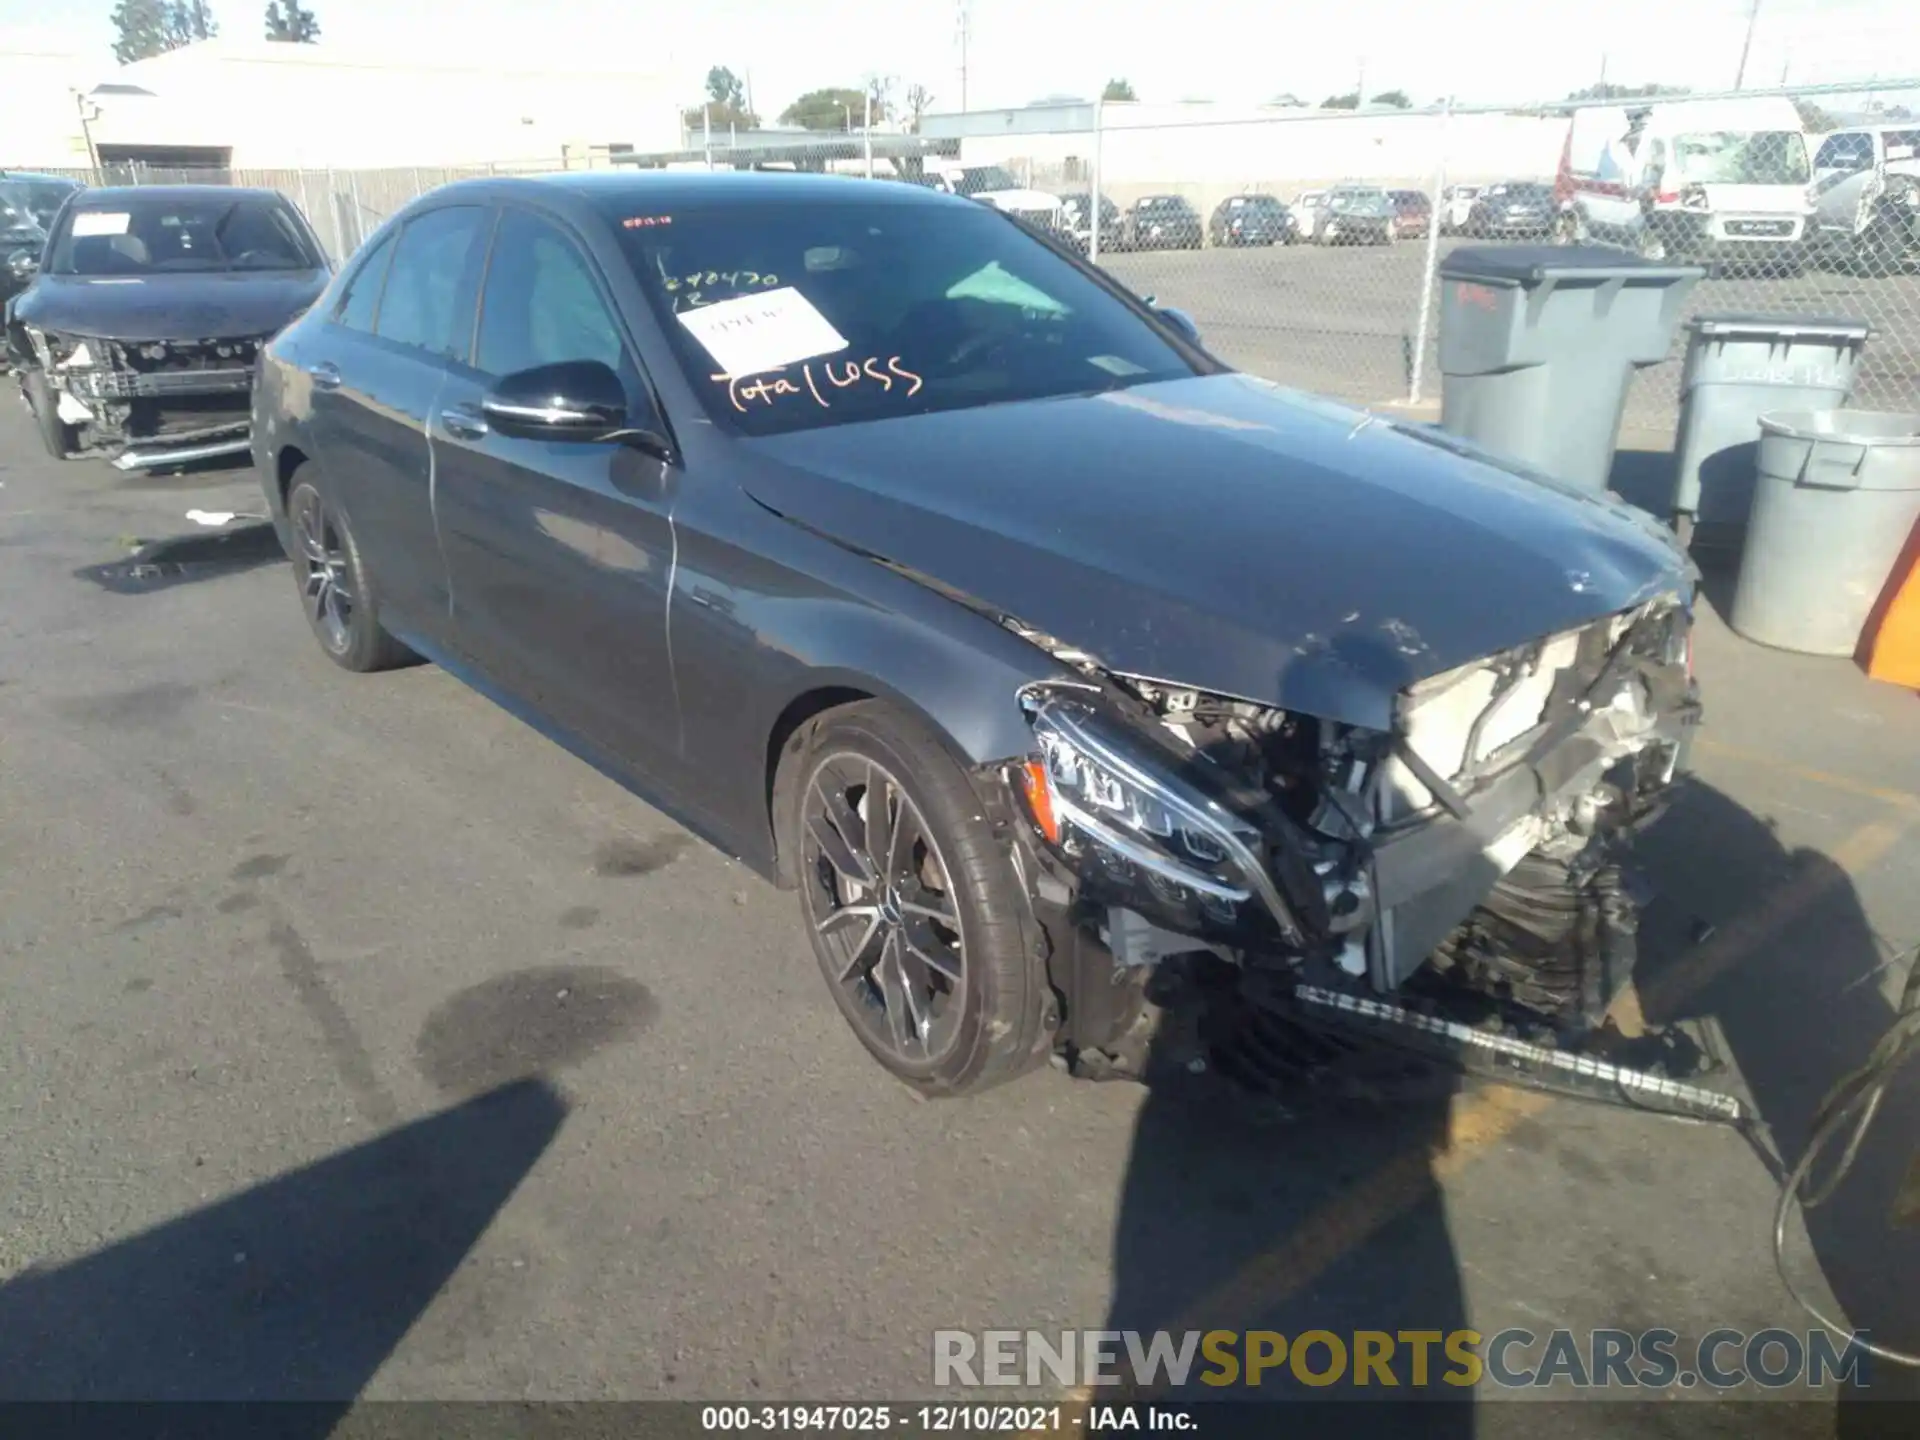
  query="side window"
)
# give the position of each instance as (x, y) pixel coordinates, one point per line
(421, 305)
(541, 305)
(1846, 152)
(361, 295)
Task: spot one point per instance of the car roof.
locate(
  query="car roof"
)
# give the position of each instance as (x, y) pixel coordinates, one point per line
(105, 197)
(616, 194)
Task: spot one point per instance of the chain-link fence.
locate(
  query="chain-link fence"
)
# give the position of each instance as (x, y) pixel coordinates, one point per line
(1305, 243)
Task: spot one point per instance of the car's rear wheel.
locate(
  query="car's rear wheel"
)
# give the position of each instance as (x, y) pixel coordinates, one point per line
(60, 438)
(336, 593)
(921, 927)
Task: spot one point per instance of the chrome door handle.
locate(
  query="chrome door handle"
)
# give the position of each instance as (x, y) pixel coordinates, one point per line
(326, 375)
(463, 423)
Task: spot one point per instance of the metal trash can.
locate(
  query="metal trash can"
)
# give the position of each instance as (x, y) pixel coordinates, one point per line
(1538, 342)
(1738, 368)
(1838, 493)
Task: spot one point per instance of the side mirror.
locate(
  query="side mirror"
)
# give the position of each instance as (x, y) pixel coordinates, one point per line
(1179, 320)
(23, 265)
(574, 400)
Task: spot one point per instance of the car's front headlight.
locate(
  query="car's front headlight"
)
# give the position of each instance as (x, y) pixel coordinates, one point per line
(1120, 816)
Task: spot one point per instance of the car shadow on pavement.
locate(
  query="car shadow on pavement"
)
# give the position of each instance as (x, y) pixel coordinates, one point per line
(184, 559)
(295, 1290)
(1234, 1218)
(1796, 981)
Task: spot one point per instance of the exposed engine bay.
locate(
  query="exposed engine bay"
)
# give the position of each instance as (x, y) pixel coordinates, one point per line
(1468, 863)
(150, 401)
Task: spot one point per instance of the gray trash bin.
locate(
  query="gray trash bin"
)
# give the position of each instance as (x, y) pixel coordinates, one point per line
(1837, 495)
(1738, 368)
(1538, 342)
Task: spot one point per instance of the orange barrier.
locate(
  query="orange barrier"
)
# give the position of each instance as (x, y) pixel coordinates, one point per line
(1893, 646)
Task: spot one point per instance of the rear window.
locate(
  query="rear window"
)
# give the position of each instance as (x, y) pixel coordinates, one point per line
(1902, 144)
(787, 317)
(1726, 157)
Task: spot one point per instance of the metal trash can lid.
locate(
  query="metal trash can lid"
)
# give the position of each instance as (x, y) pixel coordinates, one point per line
(1873, 428)
(1534, 264)
(1784, 326)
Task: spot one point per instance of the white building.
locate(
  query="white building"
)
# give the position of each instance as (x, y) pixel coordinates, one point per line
(266, 105)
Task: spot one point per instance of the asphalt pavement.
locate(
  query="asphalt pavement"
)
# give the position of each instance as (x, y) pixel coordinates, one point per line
(357, 1041)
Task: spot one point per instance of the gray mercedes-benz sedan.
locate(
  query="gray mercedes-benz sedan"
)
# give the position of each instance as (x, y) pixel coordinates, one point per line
(927, 570)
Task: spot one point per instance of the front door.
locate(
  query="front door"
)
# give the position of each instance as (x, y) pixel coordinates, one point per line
(560, 552)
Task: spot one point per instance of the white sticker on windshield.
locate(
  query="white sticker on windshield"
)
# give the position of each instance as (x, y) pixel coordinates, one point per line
(1899, 152)
(762, 332)
(100, 222)
(1116, 365)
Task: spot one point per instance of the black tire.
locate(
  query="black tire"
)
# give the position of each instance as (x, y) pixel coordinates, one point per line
(60, 438)
(336, 594)
(965, 1033)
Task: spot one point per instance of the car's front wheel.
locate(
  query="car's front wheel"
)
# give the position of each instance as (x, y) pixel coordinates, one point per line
(336, 593)
(920, 924)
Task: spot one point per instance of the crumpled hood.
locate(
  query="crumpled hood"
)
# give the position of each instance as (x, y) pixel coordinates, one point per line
(1226, 534)
(218, 306)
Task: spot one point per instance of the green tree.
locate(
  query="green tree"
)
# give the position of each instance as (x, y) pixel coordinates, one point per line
(1394, 98)
(287, 20)
(1608, 91)
(188, 21)
(1348, 101)
(835, 108)
(1118, 90)
(725, 106)
(140, 29)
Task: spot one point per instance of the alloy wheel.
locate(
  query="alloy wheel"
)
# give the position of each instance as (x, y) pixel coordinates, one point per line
(883, 908)
(325, 576)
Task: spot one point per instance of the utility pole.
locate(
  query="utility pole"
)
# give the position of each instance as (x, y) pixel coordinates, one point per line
(966, 23)
(1360, 86)
(1746, 46)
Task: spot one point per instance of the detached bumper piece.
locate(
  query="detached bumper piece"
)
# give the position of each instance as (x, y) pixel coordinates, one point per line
(147, 457)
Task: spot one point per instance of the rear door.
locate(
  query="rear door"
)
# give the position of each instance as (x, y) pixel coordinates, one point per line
(408, 309)
(560, 552)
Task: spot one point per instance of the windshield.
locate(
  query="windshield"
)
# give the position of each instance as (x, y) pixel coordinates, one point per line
(17, 222)
(1901, 145)
(976, 179)
(142, 236)
(1725, 157)
(1358, 202)
(790, 317)
(37, 198)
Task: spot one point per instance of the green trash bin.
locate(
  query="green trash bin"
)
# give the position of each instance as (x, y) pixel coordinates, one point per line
(1738, 368)
(1538, 342)
(1837, 495)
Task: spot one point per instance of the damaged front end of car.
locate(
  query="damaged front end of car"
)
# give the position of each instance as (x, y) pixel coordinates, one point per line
(1463, 867)
(147, 403)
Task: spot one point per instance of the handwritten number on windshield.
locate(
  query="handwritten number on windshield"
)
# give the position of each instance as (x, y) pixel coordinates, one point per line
(767, 388)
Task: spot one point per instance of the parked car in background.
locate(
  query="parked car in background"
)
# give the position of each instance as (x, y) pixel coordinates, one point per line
(1513, 210)
(22, 239)
(1354, 215)
(1250, 219)
(1412, 213)
(1456, 201)
(995, 185)
(137, 338)
(1162, 222)
(1305, 207)
(1866, 194)
(964, 594)
(40, 196)
(1724, 182)
(1076, 224)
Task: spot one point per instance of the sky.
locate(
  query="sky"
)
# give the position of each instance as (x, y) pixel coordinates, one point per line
(1235, 51)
